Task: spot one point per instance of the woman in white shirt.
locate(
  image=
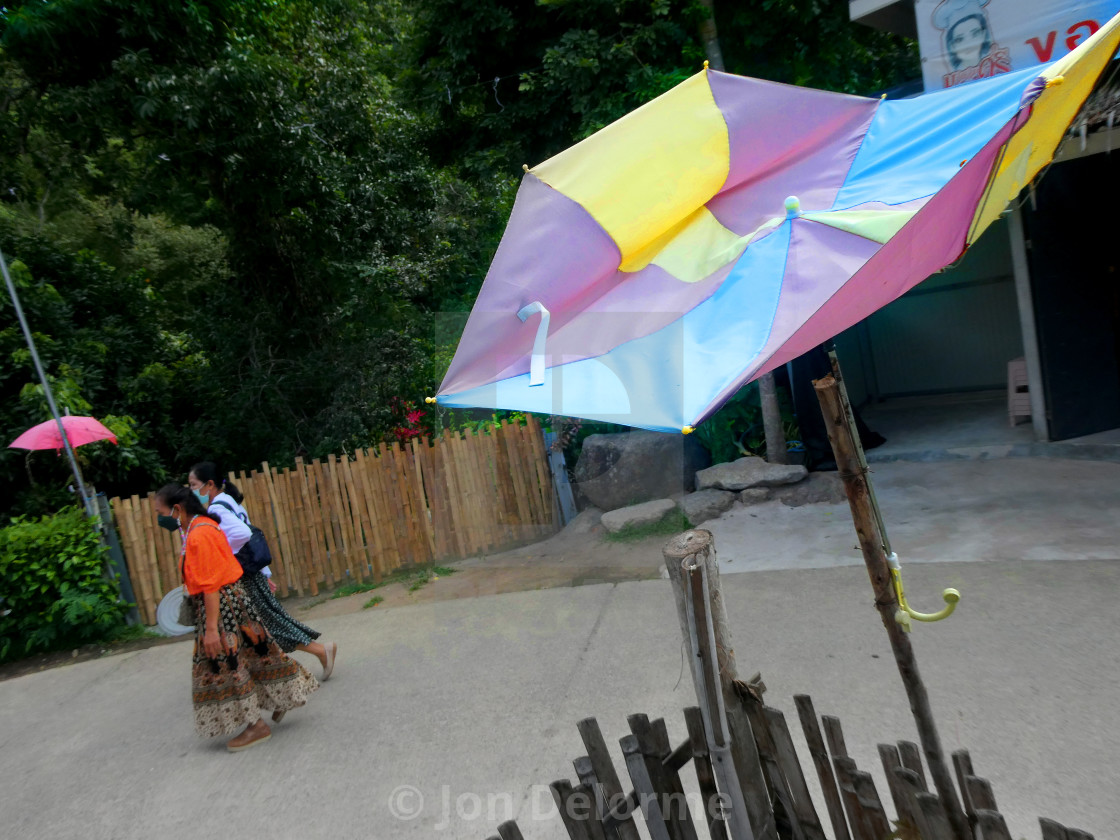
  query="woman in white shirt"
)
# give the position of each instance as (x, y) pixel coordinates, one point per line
(223, 499)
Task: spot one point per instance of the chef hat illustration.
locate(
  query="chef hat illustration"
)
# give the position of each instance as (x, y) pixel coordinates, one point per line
(950, 11)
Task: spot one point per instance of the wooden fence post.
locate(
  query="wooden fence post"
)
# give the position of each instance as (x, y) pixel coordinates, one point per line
(871, 544)
(697, 546)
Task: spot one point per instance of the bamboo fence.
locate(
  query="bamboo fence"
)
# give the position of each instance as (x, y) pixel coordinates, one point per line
(359, 518)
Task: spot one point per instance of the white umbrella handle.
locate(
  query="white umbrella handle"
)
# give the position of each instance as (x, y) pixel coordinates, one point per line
(536, 363)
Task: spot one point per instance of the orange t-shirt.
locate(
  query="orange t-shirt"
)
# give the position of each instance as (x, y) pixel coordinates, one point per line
(210, 563)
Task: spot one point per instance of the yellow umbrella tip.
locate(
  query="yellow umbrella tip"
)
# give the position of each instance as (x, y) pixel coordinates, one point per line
(430, 400)
(687, 430)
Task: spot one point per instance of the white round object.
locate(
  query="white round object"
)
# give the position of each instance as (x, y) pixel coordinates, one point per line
(167, 613)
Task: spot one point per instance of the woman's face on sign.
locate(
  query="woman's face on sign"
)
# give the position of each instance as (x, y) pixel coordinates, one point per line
(966, 40)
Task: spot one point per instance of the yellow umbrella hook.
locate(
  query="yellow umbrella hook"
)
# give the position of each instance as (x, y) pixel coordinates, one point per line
(905, 611)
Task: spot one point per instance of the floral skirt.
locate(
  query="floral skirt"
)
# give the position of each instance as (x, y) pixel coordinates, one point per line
(235, 689)
(287, 632)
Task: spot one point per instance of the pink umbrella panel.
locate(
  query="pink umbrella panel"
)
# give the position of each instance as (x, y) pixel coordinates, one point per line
(79, 431)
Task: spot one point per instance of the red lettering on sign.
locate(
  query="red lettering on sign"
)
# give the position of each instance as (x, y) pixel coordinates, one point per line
(1075, 37)
(1043, 53)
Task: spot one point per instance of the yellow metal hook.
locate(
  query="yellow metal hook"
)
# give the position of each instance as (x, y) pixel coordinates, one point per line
(905, 611)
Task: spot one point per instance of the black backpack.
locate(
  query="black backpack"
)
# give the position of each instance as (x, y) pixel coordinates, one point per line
(255, 554)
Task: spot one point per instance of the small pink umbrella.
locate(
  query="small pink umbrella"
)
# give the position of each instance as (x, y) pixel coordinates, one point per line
(80, 431)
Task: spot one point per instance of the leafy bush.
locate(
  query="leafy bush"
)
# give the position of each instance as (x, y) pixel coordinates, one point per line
(52, 580)
(736, 430)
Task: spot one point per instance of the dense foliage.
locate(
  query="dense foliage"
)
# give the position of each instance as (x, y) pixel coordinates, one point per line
(248, 229)
(52, 581)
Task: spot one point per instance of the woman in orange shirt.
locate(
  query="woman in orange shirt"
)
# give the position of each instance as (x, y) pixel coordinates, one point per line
(238, 670)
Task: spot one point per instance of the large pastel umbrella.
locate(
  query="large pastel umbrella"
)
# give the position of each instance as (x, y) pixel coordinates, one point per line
(731, 224)
(79, 431)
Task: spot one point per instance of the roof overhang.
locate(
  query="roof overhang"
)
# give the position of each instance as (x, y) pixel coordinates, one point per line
(895, 16)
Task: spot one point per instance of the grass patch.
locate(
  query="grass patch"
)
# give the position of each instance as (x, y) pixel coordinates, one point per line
(372, 602)
(348, 589)
(131, 633)
(672, 523)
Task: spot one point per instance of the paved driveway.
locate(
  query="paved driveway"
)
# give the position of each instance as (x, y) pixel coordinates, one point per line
(451, 712)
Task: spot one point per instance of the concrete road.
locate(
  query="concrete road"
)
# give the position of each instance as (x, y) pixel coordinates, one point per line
(445, 718)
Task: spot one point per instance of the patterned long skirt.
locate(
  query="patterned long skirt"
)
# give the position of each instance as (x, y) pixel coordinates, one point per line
(233, 690)
(287, 632)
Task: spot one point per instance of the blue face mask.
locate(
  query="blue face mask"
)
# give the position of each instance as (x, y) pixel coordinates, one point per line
(204, 499)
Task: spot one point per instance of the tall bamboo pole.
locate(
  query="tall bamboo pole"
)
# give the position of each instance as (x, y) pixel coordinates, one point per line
(852, 469)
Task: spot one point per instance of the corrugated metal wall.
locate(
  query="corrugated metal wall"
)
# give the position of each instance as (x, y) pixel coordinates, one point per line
(954, 332)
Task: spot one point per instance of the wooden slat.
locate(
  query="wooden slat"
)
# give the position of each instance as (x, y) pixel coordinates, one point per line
(422, 478)
(383, 477)
(574, 805)
(888, 755)
(911, 757)
(341, 569)
(992, 825)
(446, 520)
(858, 821)
(506, 473)
(962, 766)
(667, 783)
(425, 457)
(1052, 830)
(539, 458)
(937, 825)
(477, 495)
(281, 515)
(282, 498)
(648, 796)
(285, 494)
(365, 464)
(601, 763)
(464, 494)
(454, 493)
(980, 793)
(817, 751)
(705, 774)
(139, 569)
(151, 549)
(417, 543)
(834, 732)
(363, 525)
(911, 785)
(332, 536)
(481, 457)
(301, 519)
(791, 770)
(872, 805)
(389, 482)
(520, 484)
(504, 517)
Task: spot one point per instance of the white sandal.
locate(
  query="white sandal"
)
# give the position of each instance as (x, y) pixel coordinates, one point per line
(332, 651)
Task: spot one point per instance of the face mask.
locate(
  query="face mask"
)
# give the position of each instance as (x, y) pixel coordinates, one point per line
(168, 522)
(204, 499)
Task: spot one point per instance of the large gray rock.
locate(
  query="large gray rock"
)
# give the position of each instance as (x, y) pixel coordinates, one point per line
(644, 514)
(749, 472)
(818, 488)
(622, 469)
(755, 495)
(705, 504)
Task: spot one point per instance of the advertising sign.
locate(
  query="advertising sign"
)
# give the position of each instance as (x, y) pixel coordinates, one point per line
(962, 40)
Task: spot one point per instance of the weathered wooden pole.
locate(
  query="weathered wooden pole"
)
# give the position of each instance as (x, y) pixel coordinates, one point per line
(698, 549)
(772, 420)
(857, 487)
